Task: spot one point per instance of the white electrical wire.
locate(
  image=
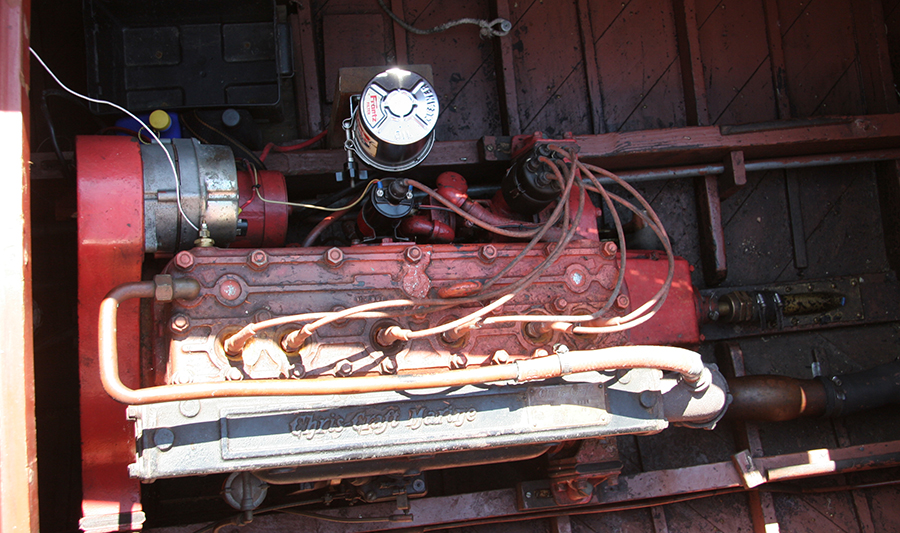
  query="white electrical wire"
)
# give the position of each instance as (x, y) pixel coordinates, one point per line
(141, 122)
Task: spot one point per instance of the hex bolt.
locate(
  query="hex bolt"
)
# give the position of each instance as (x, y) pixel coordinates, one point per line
(583, 487)
(179, 323)
(487, 253)
(560, 304)
(230, 290)
(344, 368)
(413, 254)
(259, 258)
(389, 366)
(609, 249)
(622, 301)
(334, 257)
(184, 260)
(500, 357)
(458, 361)
(163, 439)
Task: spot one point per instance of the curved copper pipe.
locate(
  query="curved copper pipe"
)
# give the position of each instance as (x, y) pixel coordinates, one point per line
(686, 362)
(775, 398)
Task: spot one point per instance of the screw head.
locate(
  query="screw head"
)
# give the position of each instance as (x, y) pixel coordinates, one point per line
(189, 408)
(487, 253)
(184, 260)
(230, 289)
(414, 254)
(622, 301)
(259, 258)
(163, 439)
(500, 357)
(334, 257)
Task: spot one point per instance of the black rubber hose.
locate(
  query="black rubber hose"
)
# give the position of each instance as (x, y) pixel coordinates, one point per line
(850, 393)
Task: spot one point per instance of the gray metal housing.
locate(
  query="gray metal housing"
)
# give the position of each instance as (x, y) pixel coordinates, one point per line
(331, 437)
(209, 192)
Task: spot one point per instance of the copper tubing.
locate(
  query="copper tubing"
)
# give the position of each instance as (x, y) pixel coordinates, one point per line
(775, 398)
(666, 358)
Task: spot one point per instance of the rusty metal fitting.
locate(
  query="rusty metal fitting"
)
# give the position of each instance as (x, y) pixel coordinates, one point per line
(297, 370)
(343, 368)
(234, 374)
(262, 315)
(413, 254)
(165, 287)
(389, 365)
(500, 357)
(560, 304)
(184, 260)
(455, 335)
(609, 249)
(179, 324)
(389, 335)
(488, 253)
(537, 331)
(334, 257)
(230, 289)
(458, 361)
(258, 259)
(622, 301)
(294, 341)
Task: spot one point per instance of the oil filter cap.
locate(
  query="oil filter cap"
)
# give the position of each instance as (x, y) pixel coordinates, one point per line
(393, 127)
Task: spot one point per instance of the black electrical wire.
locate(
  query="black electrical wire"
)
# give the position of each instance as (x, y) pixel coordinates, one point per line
(63, 163)
(224, 137)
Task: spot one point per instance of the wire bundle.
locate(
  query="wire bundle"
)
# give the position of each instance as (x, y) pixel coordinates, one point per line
(493, 299)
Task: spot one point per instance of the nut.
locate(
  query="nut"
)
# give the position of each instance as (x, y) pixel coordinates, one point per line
(334, 257)
(487, 253)
(500, 357)
(165, 287)
(609, 249)
(179, 323)
(622, 301)
(344, 368)
(560, 304)
(184, 260)
(259, 258)
(458, 360)
(414, 254)
(388, 366)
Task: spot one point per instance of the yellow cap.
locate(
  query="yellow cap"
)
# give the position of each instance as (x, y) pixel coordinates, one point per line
(160, 120)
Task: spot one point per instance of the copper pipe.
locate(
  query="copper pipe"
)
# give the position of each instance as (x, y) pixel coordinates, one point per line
(686, 362)
(775, 398)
